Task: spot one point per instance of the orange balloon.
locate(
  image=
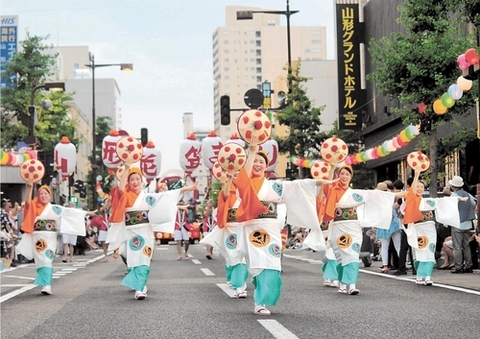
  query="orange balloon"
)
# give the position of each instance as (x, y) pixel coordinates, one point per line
(438, 107)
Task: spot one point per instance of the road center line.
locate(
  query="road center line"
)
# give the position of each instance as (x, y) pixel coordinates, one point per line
(278, 331)
(207, 272)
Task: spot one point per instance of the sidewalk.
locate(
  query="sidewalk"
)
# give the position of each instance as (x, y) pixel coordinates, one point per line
(463, 280)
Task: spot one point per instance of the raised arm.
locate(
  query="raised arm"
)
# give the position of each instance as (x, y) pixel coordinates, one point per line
(415, 181)
(123, 179)
(251, 157)
(29, 193)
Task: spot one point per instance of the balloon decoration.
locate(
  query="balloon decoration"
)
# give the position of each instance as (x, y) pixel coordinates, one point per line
(190, 150)
(151, 161)
(16, 159)
(387, 147)
(455, 91)
(254, 127)
(32, 170)
(65, 157)
(211, 145)
(418, 161)
(110, 157)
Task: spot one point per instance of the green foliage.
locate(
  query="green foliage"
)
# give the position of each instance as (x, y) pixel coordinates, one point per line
(420, 65)
(303, 121)
(213, 192)
(30, 67)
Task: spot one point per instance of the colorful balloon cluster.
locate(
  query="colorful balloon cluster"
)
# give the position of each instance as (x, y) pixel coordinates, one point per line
(383, 150)
(455, 91)
(386, 147)
(16, 159)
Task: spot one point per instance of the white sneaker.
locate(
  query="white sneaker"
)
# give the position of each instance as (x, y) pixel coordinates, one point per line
(140, 295)
(241, 295)
(261, 310)
(47, 290)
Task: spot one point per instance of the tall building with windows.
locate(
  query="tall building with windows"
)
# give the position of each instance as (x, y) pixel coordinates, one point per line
(248, 52)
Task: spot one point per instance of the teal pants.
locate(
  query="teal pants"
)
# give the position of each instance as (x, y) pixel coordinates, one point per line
(349, 273)
(44, 276)
(137, 277)
(268, 285)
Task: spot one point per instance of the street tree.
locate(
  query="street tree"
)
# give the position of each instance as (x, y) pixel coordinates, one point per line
(303, 121)
(103, 127)
(418, 66)
(33, 65)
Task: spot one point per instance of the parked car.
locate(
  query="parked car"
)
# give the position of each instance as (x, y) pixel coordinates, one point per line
(194, 234)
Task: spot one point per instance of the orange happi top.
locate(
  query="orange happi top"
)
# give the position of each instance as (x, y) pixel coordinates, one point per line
(333, 194)
(412, 204)
(31, 212)
(250, 207)
(224, 204)
(115, 197)
(126, 200)
(320, 203)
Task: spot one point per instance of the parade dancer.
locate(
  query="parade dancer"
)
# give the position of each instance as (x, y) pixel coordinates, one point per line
(137, 215)
(419, 221)
(228, 238)
(348, 210)
(39, 242)
(262, 224)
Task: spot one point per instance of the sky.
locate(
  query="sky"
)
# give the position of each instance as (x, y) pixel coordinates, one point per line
(169, 43)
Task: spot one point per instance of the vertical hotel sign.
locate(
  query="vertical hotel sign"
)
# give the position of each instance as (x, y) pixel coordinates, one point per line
(9, 44)
(351, 96)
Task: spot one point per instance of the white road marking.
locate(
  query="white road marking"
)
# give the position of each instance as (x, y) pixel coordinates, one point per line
(18, 277)
(227, 289)
(196, 261)
(16, 292)
(69, 269)
(161, 248)
(278, 331)
(207, 272)
(453, 288)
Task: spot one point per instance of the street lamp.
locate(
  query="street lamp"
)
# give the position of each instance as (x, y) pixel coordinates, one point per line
(93, 66)
(248, 15)
(49, 86)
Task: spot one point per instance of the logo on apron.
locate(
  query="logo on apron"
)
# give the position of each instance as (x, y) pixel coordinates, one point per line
(275, 250)
(344, 241)
(422, 242)
(259, 238)
(40, 245)
(231, 241)
(136, 243)
(147, 251)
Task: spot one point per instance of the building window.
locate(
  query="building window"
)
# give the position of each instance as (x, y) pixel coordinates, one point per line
(316, 42)
(258, 34)
(226, 69)
(259, 69)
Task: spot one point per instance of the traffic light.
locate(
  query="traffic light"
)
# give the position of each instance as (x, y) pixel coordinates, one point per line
(80, 188)
(225, 110)
(144, 136)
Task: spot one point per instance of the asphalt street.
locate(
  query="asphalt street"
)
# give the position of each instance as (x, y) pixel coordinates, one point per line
(190, 299)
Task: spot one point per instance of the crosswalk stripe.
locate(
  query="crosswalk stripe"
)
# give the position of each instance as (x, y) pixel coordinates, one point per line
(278, 330)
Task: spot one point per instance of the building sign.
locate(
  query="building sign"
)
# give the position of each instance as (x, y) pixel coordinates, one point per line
(9, 43)
(351, 96)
